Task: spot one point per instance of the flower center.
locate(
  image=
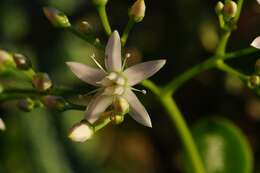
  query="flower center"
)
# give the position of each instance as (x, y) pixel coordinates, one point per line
(114, 83)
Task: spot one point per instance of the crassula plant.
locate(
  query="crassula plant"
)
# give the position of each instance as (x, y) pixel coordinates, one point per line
(114, 96)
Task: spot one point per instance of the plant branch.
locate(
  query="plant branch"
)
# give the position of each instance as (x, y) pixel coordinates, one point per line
(104, 19)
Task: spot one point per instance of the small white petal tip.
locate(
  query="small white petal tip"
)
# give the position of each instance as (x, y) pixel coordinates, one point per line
(2, 125)
(256, 43)
(81, 132)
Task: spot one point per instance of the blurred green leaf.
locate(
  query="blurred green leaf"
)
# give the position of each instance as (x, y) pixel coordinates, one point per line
(222, 146)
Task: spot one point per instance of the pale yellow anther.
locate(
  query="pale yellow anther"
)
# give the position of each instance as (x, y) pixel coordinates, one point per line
(120, 81)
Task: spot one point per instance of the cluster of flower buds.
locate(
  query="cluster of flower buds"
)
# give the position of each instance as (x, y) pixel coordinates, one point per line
(227, 12)
(254, 80)
(56, 17)
(41, 81)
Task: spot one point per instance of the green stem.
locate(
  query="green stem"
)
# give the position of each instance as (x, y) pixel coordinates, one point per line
(103, 16)
(177, 118)
(223, 43)
(221, 65)
(127, 29)
(184, 133)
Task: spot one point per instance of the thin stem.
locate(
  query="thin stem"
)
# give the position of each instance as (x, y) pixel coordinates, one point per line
(239, 9)
(221, 65)
(177, 82)
(127, 29)
(104, 19)
(223, 43)
(184, 133)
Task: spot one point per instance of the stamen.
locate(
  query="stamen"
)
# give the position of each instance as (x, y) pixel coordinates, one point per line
(127, 56)
(97, 63)
(141, 91)
(92, 92)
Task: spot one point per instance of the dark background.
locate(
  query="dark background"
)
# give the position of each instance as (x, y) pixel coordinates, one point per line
(185, 32)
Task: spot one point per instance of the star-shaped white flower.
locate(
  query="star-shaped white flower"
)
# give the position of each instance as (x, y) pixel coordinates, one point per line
(115, 82)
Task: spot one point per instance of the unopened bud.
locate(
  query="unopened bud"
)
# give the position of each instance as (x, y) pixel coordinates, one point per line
(22, 62)
(5, 57)
(230, 9)
(137, 11)
(121, 106)
(257, 67)
(116, 119)
(54, 102)
(253, 81)
(99, 2)
(81, 132)
(85, 27)
(2, 125)
(42, 81)
(26, 105)
(56, 17)
(219, 7)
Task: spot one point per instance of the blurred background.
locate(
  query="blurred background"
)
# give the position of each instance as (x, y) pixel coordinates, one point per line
(185, 32)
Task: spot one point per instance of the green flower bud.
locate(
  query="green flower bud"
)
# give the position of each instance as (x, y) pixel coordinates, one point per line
(257, 67)
(22, 62)
(99, 2)
(5, 58)
(54, 102)
(56, 17)
(116, 119)
(253, 81)
(42, 81)
(219, 7)
(26, 105)
(230, 9)
(81, 132)
(137, 11)
(121, 106)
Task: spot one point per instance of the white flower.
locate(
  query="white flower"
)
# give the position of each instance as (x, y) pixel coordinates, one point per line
(2, 124)
(116, 82)
(256, 42)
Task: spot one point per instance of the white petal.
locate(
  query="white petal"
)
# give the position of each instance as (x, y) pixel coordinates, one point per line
(81, 132)
(256, 42)
(258, 1)
(97, 106)
(139, 72)
(86, 73)
(113, 53)
(137, 110)
(2, 124)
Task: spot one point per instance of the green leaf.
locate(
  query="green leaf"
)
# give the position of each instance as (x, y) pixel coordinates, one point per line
(222, 146)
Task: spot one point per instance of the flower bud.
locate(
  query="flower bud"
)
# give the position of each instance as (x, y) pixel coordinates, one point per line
(253, 81)
(219, 7)
(22, 62)
(137, 11)
(81, 132)
(2, 125)
(26, 105)
(116, 119)
(230, 9)
(56, 17)
(121, 106)
(42, 81)
(99, 2)
(54, 102)
(5, 57)
(85, 27)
